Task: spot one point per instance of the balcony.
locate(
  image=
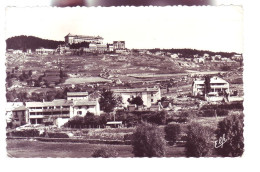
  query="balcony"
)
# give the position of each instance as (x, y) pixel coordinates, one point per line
(47, 116)
(49, 110)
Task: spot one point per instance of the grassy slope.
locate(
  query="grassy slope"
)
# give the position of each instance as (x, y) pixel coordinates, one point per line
(33, 149)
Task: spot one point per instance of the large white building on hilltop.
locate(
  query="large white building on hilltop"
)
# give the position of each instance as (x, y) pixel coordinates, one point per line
(74, 39)
(149, 95)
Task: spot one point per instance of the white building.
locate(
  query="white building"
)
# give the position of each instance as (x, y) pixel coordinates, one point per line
(218, 87)
(82, 107)
(149, 95)
(74, 39)
(60, 110)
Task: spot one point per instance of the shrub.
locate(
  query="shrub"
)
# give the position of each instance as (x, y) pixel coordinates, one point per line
(208, 113)
(148, 141)
(171, 132)
(105, 152)
(199, 141)
(231, 128)
(55, 135)
(26, 133)
(128, 137)
(222, 112)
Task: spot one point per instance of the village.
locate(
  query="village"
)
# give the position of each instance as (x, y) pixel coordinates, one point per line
(100, 93)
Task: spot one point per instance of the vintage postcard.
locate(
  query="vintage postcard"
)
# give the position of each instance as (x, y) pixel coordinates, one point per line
(124, 82)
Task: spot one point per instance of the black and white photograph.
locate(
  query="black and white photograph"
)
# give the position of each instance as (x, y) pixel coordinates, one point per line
(112, 82)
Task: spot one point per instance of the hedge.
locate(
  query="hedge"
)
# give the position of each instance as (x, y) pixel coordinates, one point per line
(25, 133)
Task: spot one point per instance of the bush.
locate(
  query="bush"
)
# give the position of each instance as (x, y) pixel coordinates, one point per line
(128, 137)
(231, 128)
(105, 152)
(171, 132)
(199, 141)
(148, 141)
(26, 133)
(222, 112)
(208, 113)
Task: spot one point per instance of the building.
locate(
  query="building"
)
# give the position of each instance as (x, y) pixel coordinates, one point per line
(19, 116)
(9, 107)
(110, 47)
(119, 45)
(219, 87)
(149, 95)
(77, 95)
(59, 111)
(74, 39)
(82, 107)
(101, 48)
(44, 51)
(40, 112)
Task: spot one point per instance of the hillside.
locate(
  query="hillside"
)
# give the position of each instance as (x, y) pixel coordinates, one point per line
(30, 42)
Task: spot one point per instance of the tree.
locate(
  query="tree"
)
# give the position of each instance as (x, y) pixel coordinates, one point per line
(105, 152)
(207, 84)
(107, 101)
(30, 73)
(148, 141)
(136, 100)
(199, 141)
(171, 132)
(231, 128)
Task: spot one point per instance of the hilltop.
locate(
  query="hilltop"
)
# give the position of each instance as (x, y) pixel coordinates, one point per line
(30, 42)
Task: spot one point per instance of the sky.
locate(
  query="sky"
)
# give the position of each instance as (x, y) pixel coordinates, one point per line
(204, 28)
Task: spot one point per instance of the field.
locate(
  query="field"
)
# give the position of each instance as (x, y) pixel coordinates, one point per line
(33, 149)
(83, 80)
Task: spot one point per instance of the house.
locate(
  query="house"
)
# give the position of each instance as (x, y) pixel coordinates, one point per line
(59, 111)
(119, 45)
(101, 48)
(82, 107)
(74, 39)
(40, 112)
(149, 95)
(45, 51)
(110, 47)
(218, 87)
(77, 95)
(9, 107)
(19, 116)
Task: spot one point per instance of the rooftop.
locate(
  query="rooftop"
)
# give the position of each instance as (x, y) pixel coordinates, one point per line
(21, 108)
(56, 102)
(213, 80)
(83, 36)
(84, 103)
(77, 93)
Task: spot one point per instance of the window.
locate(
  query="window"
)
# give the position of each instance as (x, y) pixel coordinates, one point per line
(79, 107)
(79, 112)
(151, 100)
